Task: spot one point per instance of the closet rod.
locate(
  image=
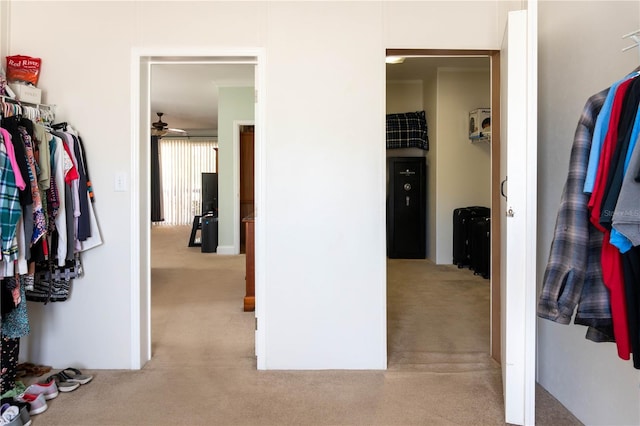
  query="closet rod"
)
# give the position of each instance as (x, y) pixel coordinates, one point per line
(31, 104)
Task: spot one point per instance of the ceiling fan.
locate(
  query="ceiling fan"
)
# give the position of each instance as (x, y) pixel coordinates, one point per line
(160, 128)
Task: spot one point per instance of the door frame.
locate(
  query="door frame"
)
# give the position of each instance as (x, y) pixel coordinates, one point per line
(494, 57)
(141, 60)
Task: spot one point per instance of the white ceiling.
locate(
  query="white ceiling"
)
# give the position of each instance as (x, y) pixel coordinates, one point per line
(187, 94)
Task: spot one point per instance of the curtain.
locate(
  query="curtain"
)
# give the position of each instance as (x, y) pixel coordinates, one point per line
(183, 160)
(156, 181)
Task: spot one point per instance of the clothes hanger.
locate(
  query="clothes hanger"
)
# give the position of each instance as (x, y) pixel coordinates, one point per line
(635, 36)
(17, 111)
(60, 126)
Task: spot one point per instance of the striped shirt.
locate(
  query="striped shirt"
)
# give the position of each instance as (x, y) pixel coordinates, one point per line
(573, 276)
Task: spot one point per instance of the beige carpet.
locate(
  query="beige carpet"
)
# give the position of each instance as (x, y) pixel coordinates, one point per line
(203, 371)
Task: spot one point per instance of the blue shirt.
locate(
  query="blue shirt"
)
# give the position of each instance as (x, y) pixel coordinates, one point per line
(599, 133)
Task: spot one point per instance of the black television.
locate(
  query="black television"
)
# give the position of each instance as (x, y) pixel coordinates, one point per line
(209, 194)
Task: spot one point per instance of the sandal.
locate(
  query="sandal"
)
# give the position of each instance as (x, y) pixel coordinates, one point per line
(63, 385)
(31, 369)
(74, 375)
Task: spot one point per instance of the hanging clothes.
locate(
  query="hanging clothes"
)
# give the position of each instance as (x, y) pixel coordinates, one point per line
(592, 265)
(11, 124)
(573, 277)
(44, 200)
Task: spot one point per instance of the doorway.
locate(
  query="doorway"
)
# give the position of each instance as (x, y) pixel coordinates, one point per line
(423, 78)
(142, 60)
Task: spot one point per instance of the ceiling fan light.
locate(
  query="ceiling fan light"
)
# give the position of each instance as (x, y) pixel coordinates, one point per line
(160, 128)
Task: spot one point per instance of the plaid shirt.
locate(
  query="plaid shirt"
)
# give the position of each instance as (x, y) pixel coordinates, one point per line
(10, 210)
(573, 276)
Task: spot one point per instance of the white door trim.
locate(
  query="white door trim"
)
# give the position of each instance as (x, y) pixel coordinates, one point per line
(140, 217)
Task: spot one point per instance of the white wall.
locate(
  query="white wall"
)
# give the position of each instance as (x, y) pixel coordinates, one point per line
(234, 103)
(4, 30)
(404, 96)
(576, 61)
(325, 183)
(92, 329)
(324, 256)
(463, 177)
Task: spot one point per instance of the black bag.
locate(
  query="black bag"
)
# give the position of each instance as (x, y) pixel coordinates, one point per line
(52, 283)
(480, 245)
(461, 218)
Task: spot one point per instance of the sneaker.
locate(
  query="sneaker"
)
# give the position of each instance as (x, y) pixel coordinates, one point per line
(24, 409)
(62, 384)
(10, 416)
(11, 401)
(49, 390)
(37, 402)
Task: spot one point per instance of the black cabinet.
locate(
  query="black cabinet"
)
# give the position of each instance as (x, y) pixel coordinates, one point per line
(406, 207)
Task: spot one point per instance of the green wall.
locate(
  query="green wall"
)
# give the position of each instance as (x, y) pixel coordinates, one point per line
(235, 103)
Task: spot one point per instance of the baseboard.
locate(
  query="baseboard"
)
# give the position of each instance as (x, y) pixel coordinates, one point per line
(225, 250)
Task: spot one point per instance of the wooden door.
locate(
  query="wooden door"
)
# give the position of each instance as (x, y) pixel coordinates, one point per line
(246, 178)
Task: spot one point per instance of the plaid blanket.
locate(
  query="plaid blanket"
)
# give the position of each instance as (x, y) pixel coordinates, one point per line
(407, 130)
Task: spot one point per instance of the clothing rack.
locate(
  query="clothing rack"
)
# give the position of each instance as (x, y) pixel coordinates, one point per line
(36, 112)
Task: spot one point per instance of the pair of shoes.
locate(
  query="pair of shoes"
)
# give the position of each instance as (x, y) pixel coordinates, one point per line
(37, 402)
(48, 390)
(74, 375)
(63, 384)
(31, 369)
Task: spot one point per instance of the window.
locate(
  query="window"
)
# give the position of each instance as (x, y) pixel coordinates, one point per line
(183, 160)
